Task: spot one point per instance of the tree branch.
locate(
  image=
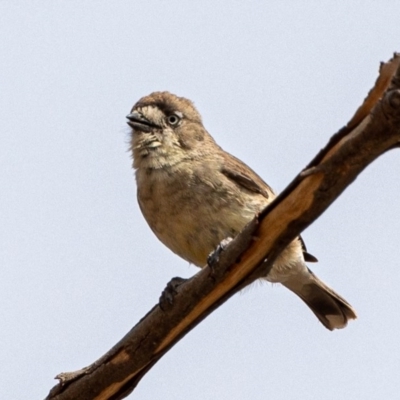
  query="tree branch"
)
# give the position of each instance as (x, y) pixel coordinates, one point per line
(374, 129)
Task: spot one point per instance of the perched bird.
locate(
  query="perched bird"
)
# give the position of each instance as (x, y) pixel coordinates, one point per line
(193, 195)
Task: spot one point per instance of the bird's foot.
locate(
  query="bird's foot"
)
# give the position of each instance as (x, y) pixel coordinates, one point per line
(169, 293)
(213, 257)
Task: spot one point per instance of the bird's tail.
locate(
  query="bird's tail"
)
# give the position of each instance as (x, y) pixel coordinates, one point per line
(331, 309)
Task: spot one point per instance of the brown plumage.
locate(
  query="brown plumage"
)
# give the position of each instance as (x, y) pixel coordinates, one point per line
(193, 195)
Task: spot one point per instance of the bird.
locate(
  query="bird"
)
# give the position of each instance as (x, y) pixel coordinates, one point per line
(194, 195)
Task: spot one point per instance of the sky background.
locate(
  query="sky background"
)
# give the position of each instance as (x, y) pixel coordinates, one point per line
(79, 265)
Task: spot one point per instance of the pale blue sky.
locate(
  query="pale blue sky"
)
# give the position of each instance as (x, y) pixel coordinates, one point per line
(79, 266)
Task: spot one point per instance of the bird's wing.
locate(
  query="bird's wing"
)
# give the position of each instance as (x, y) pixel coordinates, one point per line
(244, 176)
(307, 256)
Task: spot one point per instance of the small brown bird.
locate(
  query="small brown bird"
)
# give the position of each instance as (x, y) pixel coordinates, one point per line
(193, 195)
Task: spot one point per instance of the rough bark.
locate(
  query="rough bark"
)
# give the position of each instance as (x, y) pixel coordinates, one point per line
(374, 129)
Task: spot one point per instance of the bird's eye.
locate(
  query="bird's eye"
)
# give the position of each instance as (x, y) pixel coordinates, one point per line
(173, 119)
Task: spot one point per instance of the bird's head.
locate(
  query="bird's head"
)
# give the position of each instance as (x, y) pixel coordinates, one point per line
(166, 129)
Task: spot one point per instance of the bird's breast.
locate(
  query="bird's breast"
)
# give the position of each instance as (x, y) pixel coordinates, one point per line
(191, 213)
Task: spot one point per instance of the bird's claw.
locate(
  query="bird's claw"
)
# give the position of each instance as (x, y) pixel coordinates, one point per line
(213, 257)
(169, 293)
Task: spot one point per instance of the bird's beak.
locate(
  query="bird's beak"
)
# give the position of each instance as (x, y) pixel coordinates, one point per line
(138, 122)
